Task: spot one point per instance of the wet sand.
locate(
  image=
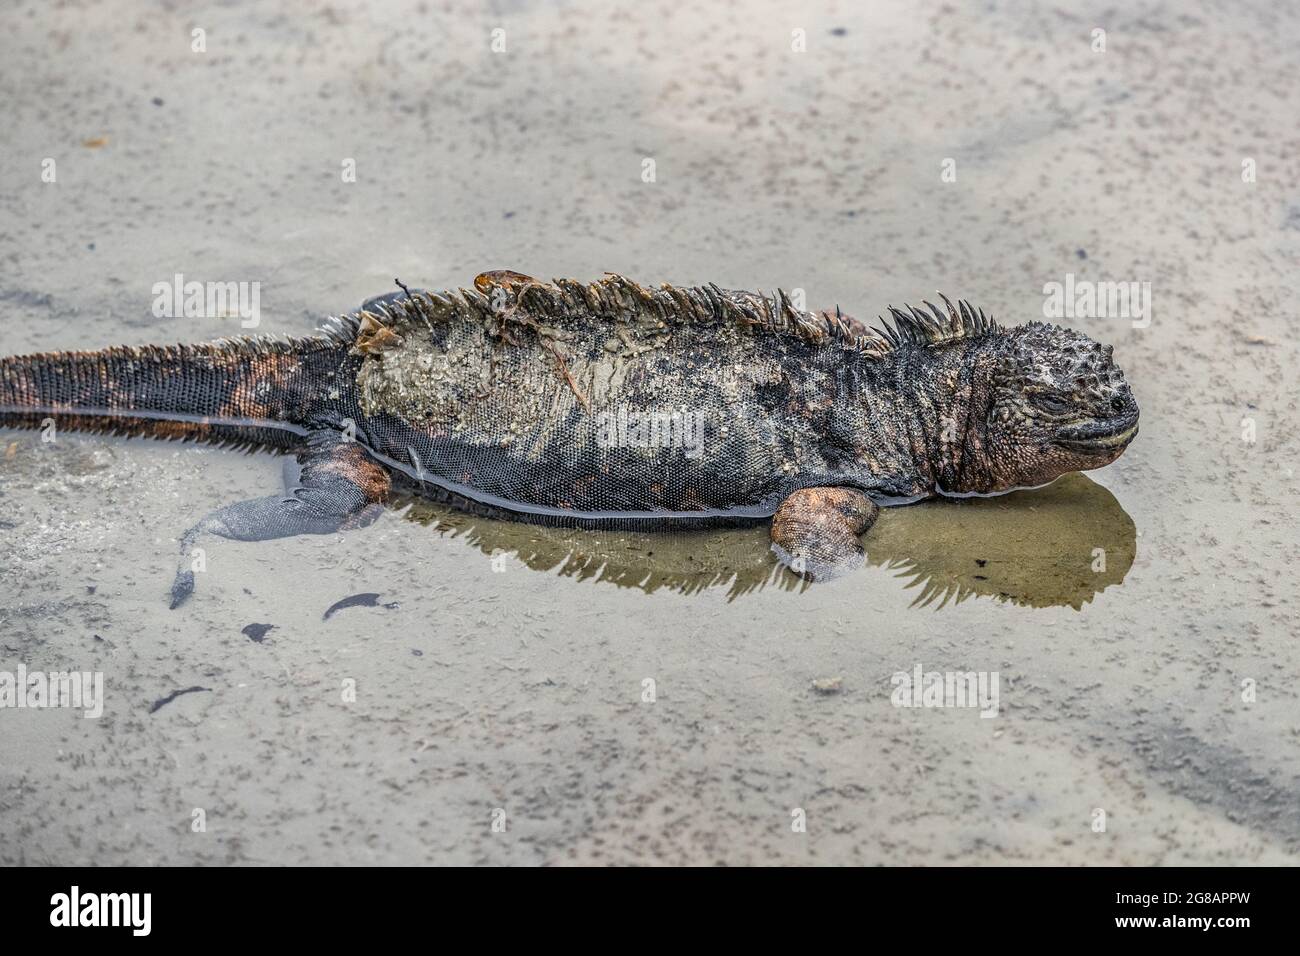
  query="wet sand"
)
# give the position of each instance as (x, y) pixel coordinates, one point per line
(517, 684)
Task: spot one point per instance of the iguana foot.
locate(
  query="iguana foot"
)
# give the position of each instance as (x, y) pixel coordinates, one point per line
(815, 531)
(339, 487)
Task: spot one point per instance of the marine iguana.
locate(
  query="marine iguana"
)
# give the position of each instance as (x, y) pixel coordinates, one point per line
(611, 404)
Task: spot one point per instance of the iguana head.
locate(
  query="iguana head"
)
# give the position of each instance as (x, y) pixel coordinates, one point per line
(1056, 403)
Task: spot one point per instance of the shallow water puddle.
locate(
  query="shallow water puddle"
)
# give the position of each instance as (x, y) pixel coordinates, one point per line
(1059, 545)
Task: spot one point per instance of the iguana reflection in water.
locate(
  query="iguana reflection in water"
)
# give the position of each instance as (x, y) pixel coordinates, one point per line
(1054, 546)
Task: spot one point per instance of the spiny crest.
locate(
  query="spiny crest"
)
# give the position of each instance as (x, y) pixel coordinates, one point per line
(256, 344)
(246, 346)
(340, 329)
(513, 297)
(615, 295)
(917, 327)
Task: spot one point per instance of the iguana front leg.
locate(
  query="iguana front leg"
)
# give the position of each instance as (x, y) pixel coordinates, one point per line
(339, 487)
(815, 531)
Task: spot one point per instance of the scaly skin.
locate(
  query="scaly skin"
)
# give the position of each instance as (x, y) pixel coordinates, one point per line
(524, 399)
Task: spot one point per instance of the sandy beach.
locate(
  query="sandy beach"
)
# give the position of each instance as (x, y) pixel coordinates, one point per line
(865, 154)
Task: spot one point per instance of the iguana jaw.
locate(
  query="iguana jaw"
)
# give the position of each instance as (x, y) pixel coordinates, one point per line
(1105, 438)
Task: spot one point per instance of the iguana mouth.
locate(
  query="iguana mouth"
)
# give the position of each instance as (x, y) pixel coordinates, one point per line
(1111, 435)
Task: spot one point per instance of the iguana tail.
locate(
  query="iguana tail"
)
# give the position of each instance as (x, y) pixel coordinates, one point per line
(253, 390)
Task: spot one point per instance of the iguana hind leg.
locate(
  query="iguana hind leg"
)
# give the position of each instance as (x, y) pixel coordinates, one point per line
(815, 531)
(337, 487)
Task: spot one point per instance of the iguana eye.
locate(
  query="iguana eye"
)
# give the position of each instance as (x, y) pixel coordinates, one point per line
(1050, 403)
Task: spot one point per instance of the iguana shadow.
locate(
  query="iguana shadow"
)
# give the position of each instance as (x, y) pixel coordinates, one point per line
(1054, 546)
